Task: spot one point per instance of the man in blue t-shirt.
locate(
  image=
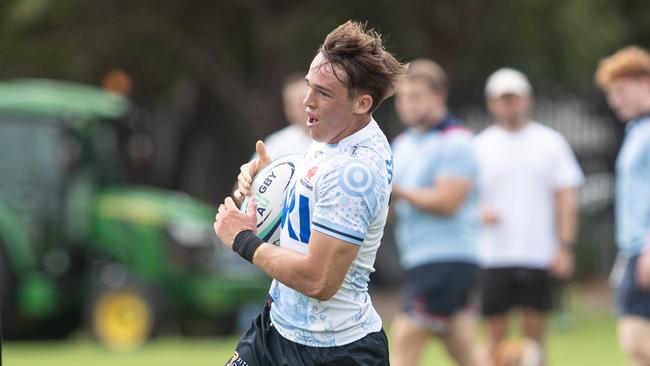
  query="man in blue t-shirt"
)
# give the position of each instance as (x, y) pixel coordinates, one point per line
(435, 204)
(625, 78)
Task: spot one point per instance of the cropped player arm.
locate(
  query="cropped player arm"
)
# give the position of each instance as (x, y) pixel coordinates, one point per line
(444, 198)
(318, 274)
(643, 264)
(567, 216)
(567, 219)
(566, 179)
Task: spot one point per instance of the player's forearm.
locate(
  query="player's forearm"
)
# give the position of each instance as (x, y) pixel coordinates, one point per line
(429, 200)
(646, 237)
(567, 216)
(295, 270)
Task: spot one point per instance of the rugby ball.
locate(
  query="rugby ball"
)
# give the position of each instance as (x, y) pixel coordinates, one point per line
(269, 188)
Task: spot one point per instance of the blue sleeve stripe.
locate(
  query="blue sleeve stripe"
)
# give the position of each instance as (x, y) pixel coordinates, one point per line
(337, 234)
(339, 228)
(361, 235)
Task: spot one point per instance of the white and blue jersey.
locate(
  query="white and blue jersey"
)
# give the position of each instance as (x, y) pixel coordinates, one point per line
(420, 159)
(633, 188)
(341, 190)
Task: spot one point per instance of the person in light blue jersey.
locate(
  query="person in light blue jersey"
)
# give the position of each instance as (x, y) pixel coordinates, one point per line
(319, 311)
(434, 199)
(625, 79)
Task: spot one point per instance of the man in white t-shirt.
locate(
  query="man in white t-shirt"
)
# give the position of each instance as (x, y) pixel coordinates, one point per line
(528, 178)
(294, 138)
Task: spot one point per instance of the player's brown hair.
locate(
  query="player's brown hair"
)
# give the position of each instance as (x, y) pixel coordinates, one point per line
(358, 51)
(429, 72)
(629, 62)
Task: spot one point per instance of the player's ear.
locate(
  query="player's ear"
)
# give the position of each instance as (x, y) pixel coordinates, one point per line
(363, 104)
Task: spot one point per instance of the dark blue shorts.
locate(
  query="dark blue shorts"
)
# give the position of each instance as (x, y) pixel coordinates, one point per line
(262, 345)
(630, 299)
(433, 292)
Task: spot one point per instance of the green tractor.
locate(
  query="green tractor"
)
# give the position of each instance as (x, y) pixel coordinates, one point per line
(78, 245)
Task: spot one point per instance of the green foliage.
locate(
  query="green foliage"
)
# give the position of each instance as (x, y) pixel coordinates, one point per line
(246, 47)
(212, 70)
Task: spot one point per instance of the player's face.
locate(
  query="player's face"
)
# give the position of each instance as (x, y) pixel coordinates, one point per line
(418, 105)
(510, 109)
(293, 95)
(331, 113)
(629, 98)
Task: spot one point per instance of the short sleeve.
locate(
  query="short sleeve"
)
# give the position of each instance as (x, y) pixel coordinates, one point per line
(567, 173)
(646, 173)
(347, 201)
(646, 157)
(458, 157)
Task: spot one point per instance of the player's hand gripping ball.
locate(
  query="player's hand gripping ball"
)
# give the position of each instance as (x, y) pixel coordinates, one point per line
(269, 187)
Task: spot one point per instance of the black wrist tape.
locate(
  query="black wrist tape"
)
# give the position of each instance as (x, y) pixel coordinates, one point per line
(245, 244)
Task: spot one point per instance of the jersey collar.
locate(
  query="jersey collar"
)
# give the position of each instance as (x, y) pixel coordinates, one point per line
(360, 135)
(448, 122)
(641, 120)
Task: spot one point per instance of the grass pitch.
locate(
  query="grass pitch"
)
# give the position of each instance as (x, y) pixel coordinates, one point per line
(585, 336)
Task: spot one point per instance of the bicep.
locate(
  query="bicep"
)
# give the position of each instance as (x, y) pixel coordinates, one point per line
(331, 257)
(565, 197)
(566, 193)
(319, 273)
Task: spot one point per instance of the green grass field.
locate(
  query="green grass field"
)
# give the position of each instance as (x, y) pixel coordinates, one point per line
(589, 340)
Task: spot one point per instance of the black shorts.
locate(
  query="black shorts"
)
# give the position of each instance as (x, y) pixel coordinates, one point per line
(262, 345)
(630, 298)
(508, 287)
(433, 292)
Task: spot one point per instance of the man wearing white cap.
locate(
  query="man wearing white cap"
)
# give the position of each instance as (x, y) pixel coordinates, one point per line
(528, 178)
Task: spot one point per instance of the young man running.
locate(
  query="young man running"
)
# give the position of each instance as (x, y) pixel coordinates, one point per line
(319, 311)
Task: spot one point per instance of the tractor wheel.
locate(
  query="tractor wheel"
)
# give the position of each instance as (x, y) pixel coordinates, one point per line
(124, 318)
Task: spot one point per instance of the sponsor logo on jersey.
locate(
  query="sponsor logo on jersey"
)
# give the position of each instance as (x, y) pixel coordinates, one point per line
(306, 181)
(236, 361)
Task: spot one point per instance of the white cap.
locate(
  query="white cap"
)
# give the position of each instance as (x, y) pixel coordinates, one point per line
(507, 81)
